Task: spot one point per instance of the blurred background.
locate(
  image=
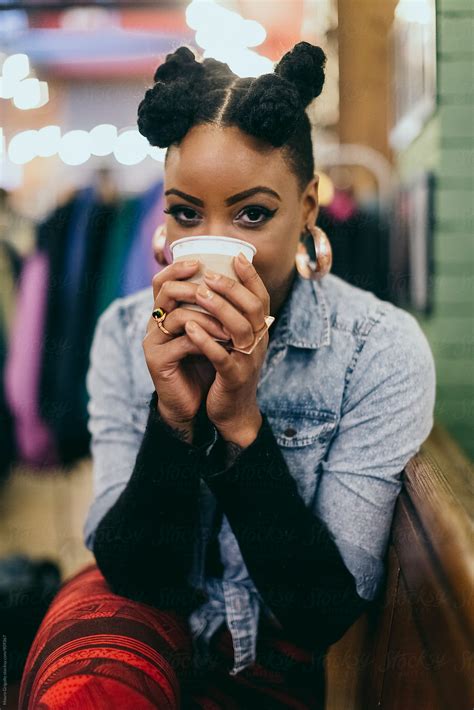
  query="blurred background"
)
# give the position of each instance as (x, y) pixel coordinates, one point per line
(81, 197)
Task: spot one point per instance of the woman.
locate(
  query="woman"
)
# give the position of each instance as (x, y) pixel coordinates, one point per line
(243, 502)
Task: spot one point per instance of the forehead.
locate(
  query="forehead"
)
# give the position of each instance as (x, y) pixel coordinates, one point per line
(224, 159)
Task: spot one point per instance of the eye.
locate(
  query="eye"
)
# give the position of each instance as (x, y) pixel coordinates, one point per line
(256, 215)
(176, 210)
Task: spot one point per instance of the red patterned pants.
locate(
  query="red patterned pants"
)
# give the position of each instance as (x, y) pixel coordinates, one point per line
(96, 650)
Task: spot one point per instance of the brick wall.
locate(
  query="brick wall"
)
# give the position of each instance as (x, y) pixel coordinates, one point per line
(447, 145)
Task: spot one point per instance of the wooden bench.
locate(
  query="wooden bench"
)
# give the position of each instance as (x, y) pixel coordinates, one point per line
(415, 649)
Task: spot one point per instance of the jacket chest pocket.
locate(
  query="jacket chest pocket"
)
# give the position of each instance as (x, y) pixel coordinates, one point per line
(304, 439)
(299, 429)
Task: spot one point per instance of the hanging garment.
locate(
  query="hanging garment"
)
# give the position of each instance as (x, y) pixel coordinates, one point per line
(11, 264)
(10, 269)
(116, 249)
(98, 239)
(8, 446)
(15, 228)
(35, 443)
(76, 245)
(140, 264)
(53, 238)
(85, 251)
(72, 436)
(35, 341)
(359, 242)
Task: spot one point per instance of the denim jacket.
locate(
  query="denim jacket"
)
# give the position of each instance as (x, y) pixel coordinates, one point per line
(348, 387)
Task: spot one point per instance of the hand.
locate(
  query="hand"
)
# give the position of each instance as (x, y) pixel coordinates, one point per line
(181, 375)
(232, 398)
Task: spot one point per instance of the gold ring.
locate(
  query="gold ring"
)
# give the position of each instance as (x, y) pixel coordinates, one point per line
(159, 314)
(258, 336)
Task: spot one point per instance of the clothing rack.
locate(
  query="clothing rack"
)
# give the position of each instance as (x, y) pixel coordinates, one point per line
(94, 247)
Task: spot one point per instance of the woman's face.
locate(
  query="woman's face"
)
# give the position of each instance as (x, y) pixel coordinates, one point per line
(211, 168)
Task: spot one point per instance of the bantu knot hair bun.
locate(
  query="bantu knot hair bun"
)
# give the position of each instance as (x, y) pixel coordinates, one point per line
(167, 110)
(217, 70)
(304, 67)
(179, 64)
(274, 103)
(270, 109)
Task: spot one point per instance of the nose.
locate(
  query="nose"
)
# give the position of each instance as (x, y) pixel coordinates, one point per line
(217, 228)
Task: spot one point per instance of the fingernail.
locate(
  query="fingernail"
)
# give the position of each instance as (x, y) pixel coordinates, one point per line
(204, 292)
(242, 258)
(212, 275)
(190, 262)
(190, 325)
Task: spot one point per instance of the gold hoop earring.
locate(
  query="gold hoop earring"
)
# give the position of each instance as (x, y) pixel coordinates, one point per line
(307, 268)
(158, 243)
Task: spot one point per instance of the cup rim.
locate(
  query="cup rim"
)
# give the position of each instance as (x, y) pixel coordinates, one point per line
(209, 238)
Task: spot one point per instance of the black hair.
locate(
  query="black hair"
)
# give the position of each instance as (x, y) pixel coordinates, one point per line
(270, 107)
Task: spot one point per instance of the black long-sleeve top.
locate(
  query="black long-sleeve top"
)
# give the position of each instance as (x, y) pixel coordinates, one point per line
(144, 544)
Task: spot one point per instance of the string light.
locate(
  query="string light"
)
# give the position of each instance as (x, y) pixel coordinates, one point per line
(226, 36)
(48, 141)
(16, 67)
(31, 93)
(22, 147)
(131, 147)
(103, 139)
(26, 92)
(157, 153)
(77, 146)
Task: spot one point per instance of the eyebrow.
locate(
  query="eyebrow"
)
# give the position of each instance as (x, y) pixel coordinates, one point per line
(230, 200)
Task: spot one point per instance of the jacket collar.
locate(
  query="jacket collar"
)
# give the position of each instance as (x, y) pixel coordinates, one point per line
(304, 321)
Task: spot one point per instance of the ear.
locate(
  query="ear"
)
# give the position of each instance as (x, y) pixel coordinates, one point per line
(159, 245)
(310, 203)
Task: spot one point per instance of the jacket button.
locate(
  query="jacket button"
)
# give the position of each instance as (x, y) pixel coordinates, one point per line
(289, 432)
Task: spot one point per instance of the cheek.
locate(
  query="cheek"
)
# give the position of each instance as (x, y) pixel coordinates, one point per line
(275, 257)
(275, 268)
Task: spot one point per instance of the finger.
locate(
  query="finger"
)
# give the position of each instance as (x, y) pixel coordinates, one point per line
(177, 349)
(218, 356)
(240, 296)
(174, 293)
(250, 278)
(178, 270)
(175, 322)
(233, 321)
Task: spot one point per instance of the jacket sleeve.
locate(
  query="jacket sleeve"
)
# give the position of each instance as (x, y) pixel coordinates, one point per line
(289, 552)
(140, 523)
(387, 413)
(317, 568)
(144, 544)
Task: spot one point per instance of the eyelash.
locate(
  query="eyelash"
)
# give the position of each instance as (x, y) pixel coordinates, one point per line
(173, 211)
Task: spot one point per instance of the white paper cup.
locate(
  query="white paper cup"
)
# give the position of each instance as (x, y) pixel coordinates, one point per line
(215, 253)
